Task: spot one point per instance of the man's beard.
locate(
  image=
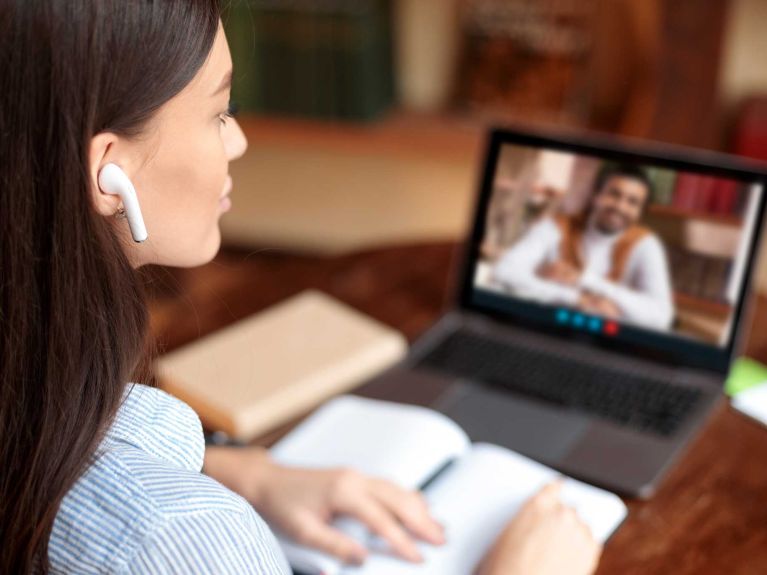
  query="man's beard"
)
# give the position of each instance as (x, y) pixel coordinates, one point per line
(608, 229)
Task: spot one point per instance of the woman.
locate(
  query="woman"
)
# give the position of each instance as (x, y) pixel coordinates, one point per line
(99, 475)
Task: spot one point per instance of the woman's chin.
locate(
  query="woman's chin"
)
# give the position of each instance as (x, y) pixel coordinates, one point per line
(177, 254)
(211, 249)
(193, 258)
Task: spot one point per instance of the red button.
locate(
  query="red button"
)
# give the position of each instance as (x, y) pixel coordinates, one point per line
(611, 328)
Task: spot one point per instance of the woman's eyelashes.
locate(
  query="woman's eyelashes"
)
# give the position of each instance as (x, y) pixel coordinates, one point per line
(230, 112)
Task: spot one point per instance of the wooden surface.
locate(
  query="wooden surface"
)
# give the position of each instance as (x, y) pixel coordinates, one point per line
(710, 515)
(330, 188)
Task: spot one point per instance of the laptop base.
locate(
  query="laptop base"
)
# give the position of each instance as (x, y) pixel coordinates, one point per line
(581, 445)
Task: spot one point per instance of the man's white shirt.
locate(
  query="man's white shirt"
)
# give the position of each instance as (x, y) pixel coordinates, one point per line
(643, 295)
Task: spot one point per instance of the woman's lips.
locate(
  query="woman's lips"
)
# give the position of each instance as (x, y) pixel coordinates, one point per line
(225, 202)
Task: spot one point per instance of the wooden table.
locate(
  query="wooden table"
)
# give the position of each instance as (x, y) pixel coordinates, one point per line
(710, 514)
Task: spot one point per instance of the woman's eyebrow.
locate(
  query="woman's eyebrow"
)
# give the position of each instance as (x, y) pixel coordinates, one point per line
(226, 83)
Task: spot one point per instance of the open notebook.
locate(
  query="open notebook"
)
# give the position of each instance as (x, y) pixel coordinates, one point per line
(474, 490)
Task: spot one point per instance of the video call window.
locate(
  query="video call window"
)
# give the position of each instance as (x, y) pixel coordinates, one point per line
(642, 245)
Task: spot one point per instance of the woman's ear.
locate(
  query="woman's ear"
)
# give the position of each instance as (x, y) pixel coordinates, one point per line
(101, 150)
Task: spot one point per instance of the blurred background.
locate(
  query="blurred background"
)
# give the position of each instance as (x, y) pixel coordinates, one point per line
(366, 117)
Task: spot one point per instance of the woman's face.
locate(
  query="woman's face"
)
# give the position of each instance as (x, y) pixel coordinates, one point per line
(179, 167)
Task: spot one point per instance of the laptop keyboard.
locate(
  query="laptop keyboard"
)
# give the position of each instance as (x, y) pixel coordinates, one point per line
(630, 399)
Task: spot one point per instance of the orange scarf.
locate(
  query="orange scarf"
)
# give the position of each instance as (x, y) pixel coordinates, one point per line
(571, 244)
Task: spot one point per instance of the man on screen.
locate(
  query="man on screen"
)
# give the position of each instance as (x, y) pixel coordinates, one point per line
(602, 261)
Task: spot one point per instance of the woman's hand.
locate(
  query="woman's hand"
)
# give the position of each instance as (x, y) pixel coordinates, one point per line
(545, 538)
(302, 502)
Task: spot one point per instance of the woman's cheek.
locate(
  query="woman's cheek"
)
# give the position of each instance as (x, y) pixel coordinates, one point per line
(215, 170)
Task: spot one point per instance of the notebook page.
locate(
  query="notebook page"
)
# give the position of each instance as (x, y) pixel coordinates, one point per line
(402, 443)
(405, 444)
(477, 497)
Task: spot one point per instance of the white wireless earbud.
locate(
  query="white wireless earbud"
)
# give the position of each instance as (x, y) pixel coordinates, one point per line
(112, 180)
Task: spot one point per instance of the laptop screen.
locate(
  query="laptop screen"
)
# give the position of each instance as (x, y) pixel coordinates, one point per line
(629, 249)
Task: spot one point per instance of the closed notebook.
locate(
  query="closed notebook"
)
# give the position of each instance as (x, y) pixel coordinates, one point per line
(264, 370)
(473, 490)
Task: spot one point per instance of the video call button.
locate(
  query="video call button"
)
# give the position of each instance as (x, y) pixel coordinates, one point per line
(590, 323)
(612, 328)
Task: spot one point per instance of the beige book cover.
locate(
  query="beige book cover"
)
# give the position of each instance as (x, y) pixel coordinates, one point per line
(262, 371)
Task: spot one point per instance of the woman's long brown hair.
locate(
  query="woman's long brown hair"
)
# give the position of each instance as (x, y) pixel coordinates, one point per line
(72, 318)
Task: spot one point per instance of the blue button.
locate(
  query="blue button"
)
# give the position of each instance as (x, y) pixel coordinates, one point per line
(563, 316)
(595, 324)
(579, 320)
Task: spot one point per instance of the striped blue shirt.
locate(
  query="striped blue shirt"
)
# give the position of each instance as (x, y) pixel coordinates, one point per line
(144, 506)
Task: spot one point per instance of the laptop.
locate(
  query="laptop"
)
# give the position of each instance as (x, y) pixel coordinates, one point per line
(599, 305)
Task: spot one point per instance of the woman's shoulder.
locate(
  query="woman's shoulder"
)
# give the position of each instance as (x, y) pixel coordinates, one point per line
(130, 509)
(143, 501)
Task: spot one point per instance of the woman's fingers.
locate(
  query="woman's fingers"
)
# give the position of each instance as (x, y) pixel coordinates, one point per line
(550, 494)
(410, 508)
(382, 523)
(313, 532)
(549, 499)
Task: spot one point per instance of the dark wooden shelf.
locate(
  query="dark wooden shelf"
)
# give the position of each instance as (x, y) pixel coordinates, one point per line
(706, 306)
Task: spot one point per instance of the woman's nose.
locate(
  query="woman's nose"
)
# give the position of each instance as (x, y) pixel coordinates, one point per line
(235, 142)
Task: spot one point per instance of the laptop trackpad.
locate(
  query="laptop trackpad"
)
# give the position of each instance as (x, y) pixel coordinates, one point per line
(496, 416)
